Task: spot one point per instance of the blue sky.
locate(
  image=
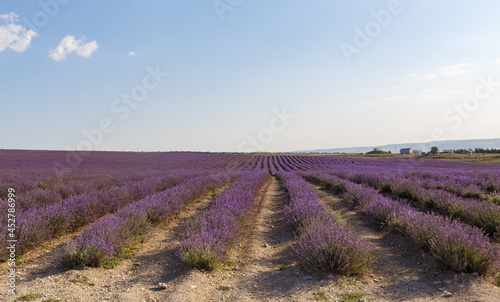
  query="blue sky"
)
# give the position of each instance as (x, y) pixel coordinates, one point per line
(246, 75)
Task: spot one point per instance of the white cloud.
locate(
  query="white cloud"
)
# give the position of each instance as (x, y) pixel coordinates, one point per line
(10, 17)
(455, 69)
(131, 53)
(13, 35)
(447, 71)
(438, 95)
(69, 45)
(392, 98)
(427, 95)
(390, 88)
(429, 76)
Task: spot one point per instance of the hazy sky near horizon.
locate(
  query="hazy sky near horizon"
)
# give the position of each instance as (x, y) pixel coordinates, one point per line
(231, 75)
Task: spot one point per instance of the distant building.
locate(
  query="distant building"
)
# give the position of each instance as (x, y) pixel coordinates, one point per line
(376, 149)
(468, 151)
(417, 152)
(406, 151)
(448, 151)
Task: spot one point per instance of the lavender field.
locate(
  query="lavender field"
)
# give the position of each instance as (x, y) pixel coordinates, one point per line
(105, 210)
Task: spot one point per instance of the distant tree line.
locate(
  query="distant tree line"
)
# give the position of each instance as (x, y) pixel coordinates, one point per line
(481, 150)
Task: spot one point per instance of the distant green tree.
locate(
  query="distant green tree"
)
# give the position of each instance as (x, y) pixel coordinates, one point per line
(378, 152)
(434, 150)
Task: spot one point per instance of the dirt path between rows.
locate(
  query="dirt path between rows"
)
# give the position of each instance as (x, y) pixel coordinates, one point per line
(268, 271)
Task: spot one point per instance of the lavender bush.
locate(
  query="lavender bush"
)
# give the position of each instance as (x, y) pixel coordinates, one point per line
(322, 243)
(331, 247)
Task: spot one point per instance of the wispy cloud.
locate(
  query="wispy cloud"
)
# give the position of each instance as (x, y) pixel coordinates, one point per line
(447, 71)
(386, 89)
(10, 17)
(69, 45)
(392, 98)
(427, 95)
(131, 53)
(13, 35)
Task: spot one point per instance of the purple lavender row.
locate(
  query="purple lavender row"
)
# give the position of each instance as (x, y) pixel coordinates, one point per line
(103, 242)
(460, 182)
(480, 213)
(272, 168)
(41, 189)
(467, 188)
(46, 185)
(134, 187)
(208, 239)
(322, 243)
(459, 178)
(42, 223)
(454, 245)
(478, 185)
